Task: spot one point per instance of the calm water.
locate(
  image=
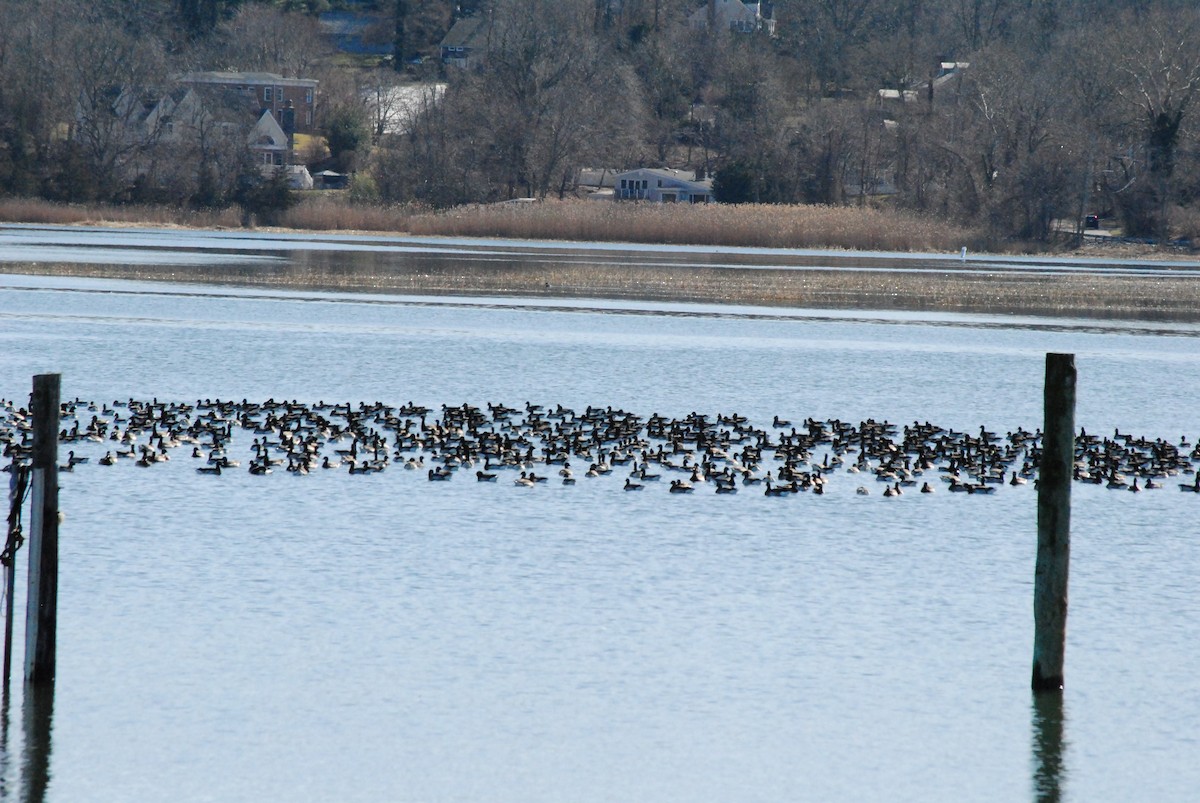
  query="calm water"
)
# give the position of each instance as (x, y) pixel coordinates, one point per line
(384, 638)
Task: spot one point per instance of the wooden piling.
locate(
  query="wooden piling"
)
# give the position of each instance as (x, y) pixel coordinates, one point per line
(41, 609)
(1054, 524)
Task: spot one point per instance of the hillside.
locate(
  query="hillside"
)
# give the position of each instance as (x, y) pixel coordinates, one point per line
(1005, 116)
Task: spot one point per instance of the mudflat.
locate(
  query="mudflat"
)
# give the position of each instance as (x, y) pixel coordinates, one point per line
(1099, 283)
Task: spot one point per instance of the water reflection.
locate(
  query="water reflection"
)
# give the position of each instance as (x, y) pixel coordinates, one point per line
(5, 763)
(1049, 747)
(37, 713)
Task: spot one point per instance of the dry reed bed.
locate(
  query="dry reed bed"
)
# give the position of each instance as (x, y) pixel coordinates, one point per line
(321, 214)
(1132, 298)
(758, 225)
(29, 210)
(747, 225)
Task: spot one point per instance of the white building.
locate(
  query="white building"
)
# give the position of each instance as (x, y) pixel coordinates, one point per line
(661, 185)
(734, 15)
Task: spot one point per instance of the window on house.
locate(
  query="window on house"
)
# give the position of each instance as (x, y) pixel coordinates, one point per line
(624, 183)
(308, 119)
(267, 92)
(660, 182)
(308, 97)
(278, 158)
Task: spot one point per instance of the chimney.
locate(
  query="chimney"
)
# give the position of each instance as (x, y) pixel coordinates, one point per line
(288, 124)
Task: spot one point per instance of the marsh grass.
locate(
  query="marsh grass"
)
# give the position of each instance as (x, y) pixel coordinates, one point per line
(320, 213)
(1145, 298)
(33, 210)
(759, 225)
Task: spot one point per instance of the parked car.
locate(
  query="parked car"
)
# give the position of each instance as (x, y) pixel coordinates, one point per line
(1091, 222)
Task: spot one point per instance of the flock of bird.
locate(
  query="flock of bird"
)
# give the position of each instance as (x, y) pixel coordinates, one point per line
(534, 445)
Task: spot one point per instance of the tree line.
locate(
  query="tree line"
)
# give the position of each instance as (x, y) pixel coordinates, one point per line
(1067, 108)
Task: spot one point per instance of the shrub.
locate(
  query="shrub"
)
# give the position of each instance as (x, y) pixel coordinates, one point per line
(263, 198)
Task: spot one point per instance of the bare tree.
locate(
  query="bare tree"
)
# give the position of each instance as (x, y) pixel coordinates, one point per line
(430, 162)
(1157, 60)
(34, 97)
(550, 94)
(260, 38)
(1000, 149)
(116, 79)
(666, 77)
(390, 102)
(981, 22)
(827, 35)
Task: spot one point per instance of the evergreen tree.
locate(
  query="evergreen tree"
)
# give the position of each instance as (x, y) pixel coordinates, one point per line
(399, 53)
(199, 17)
(734, 184)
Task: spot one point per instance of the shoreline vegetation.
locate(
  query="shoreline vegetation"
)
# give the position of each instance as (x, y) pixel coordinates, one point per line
(834, 228)
(741, 225)
(944, 289)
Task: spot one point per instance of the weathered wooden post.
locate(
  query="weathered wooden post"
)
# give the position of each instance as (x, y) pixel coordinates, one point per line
(41, 608)
(1054, 524)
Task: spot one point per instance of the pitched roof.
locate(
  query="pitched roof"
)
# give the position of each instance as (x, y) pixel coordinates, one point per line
(662, 172)
(677, 178)
(235, 77)
(464, 32)
(267, 133)
(727, 12)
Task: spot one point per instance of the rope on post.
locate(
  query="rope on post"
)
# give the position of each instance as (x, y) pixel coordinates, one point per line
(17, 493)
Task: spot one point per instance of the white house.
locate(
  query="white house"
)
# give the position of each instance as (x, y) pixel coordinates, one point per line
(734, 15)
(661, 185)
(268, 142)
(272, 151)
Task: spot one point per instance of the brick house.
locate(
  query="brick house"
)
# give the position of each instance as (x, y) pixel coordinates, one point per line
(267, 92)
